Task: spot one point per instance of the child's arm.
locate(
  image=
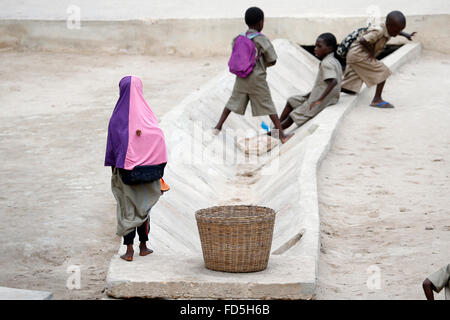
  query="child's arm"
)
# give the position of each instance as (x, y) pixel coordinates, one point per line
(369, 48)
(408, 35)
(266, 50)
(370, 38)
(270, 57)
(331, 83)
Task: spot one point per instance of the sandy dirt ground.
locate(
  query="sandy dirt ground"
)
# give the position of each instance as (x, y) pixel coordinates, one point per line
(384, 190)
(56, 206)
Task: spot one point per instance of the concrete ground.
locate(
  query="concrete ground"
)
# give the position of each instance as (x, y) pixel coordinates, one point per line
(56, 204)
(384, 187)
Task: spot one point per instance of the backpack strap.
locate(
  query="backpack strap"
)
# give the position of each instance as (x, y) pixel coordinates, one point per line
(250, 35)
(253, 35)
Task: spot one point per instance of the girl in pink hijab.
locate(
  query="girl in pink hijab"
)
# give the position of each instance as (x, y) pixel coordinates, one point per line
(136, 152)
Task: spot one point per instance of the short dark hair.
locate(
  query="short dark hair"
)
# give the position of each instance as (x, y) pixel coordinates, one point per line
(329, 39)
(253, 15)
(396, 17)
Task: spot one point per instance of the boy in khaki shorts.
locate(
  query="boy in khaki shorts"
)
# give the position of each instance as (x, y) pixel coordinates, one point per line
(254, 88)
(362, 65)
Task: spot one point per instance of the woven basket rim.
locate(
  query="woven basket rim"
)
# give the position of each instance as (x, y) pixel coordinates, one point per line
(212, 214)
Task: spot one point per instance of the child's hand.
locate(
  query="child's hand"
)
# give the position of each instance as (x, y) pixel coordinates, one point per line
(369, 48)
(372, 55)
(409, 36)
(314, 103)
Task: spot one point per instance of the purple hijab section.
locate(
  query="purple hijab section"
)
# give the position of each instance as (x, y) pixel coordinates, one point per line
(117, 143)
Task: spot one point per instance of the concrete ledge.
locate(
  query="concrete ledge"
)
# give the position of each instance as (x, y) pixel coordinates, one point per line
(180, 276)
(181, 36)
(20, 294)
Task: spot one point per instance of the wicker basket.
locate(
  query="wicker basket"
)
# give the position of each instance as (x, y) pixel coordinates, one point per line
(236, 238)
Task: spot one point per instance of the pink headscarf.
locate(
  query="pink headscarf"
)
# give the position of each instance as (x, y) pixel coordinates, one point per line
(134, 137)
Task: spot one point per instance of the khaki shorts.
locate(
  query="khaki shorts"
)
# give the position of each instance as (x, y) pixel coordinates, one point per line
(361, 70)
(297, 101)
(262, 104)
(299, 114)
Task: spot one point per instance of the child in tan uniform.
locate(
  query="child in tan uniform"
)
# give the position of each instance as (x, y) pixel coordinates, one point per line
(436, 282)
(362, 65)
(254, 87)
(326, 89)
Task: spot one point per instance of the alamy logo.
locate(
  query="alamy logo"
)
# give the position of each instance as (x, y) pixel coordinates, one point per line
(74, 18)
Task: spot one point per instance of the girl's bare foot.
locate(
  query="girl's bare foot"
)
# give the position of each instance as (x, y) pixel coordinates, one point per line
(128, 256)
(144, 250)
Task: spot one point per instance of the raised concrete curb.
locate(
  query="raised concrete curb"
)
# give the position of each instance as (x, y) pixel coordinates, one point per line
(181, 277)
(296, 244)
(21, 294)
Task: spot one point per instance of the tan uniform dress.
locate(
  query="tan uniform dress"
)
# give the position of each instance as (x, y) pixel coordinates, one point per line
(441, 279)
(133, 202)
(255, 87)
(359, 67)
(329, 68)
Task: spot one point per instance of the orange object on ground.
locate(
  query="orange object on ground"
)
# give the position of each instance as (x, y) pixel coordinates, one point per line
(164, 186)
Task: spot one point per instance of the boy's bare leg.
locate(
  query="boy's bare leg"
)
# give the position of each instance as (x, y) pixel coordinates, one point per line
(143, 250)
(287, 123)
(128, 256)
(377, 98)
(287, 110)
(348, 91)
(276, 122)
(225, 113)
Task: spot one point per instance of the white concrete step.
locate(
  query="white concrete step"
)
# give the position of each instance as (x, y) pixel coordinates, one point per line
(185, 277)
(21, 294)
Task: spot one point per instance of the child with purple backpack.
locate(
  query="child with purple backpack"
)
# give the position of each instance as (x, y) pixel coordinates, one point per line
(252, 54)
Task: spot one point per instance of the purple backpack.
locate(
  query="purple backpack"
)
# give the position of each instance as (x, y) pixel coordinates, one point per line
(243, 57)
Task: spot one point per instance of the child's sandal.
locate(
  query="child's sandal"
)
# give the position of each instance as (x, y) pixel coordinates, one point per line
(383, 105)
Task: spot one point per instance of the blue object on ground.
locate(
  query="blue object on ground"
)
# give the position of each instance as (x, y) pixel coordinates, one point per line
(265, 126)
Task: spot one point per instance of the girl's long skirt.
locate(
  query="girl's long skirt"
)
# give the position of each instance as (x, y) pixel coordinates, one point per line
(134, 202)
